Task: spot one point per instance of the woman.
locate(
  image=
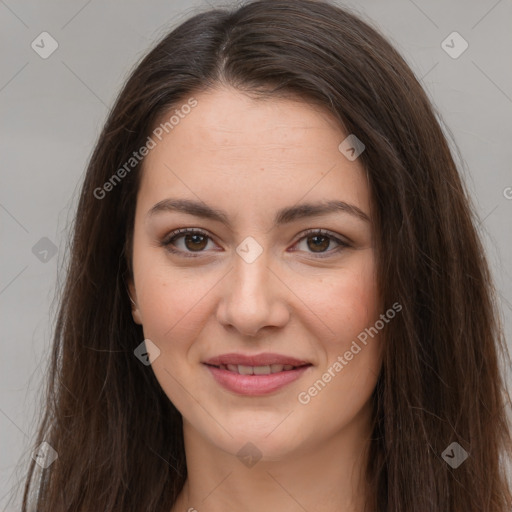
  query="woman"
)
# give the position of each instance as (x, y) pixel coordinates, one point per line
(276, 297)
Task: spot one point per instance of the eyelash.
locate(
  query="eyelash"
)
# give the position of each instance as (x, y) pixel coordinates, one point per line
(174, 235)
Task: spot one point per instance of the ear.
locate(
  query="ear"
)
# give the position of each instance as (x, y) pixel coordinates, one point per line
(133, 299)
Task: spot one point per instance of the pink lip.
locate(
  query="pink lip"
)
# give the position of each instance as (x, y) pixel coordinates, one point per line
(254, 385)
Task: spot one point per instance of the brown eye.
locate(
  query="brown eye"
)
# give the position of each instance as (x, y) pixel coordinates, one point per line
(195, 242)
(186, 242)
(318, 243)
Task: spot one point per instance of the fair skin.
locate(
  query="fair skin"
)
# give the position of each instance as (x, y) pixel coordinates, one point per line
(250, 159)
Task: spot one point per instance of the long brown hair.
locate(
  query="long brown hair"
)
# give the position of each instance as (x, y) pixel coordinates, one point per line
(118, 437)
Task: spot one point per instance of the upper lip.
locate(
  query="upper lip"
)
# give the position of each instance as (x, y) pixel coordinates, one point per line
(255, 360)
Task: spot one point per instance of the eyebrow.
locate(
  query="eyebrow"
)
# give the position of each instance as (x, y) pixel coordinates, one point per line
(283, 216)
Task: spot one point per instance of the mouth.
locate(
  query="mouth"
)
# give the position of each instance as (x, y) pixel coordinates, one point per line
(257, 370)
(255, 375)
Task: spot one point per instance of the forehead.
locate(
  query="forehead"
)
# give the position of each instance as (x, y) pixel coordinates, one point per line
(246, 151)
(225, 118)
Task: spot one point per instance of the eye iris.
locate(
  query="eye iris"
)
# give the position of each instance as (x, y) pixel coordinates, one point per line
(321, 246)
(198, 241)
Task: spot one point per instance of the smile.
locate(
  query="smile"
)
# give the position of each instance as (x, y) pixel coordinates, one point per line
(256, 370)
(255, 375)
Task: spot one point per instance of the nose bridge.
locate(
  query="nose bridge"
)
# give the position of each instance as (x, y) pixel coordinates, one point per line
(252, 299)
(251, 277)
(250, 283)
(252, 262)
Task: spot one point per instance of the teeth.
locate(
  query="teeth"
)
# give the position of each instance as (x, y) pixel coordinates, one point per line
(261, 370)
(245, 370)
(256, 370)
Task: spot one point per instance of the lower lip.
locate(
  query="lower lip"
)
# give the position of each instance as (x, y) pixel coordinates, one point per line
(254, 385)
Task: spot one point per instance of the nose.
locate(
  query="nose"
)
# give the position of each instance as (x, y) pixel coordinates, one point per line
(254, 298)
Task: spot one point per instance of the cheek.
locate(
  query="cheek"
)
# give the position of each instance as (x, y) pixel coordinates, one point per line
(349, 373)
(173, 310)
(357, 305)
(171, 306)
(360, 352)
(346, 301)
(352, 309)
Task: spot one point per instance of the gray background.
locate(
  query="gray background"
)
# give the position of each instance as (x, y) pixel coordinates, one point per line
(52, 111)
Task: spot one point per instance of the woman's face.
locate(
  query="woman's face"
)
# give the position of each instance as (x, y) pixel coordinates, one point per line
(249, 290)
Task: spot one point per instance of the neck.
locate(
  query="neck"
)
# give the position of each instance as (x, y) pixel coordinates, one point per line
(327, 476)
